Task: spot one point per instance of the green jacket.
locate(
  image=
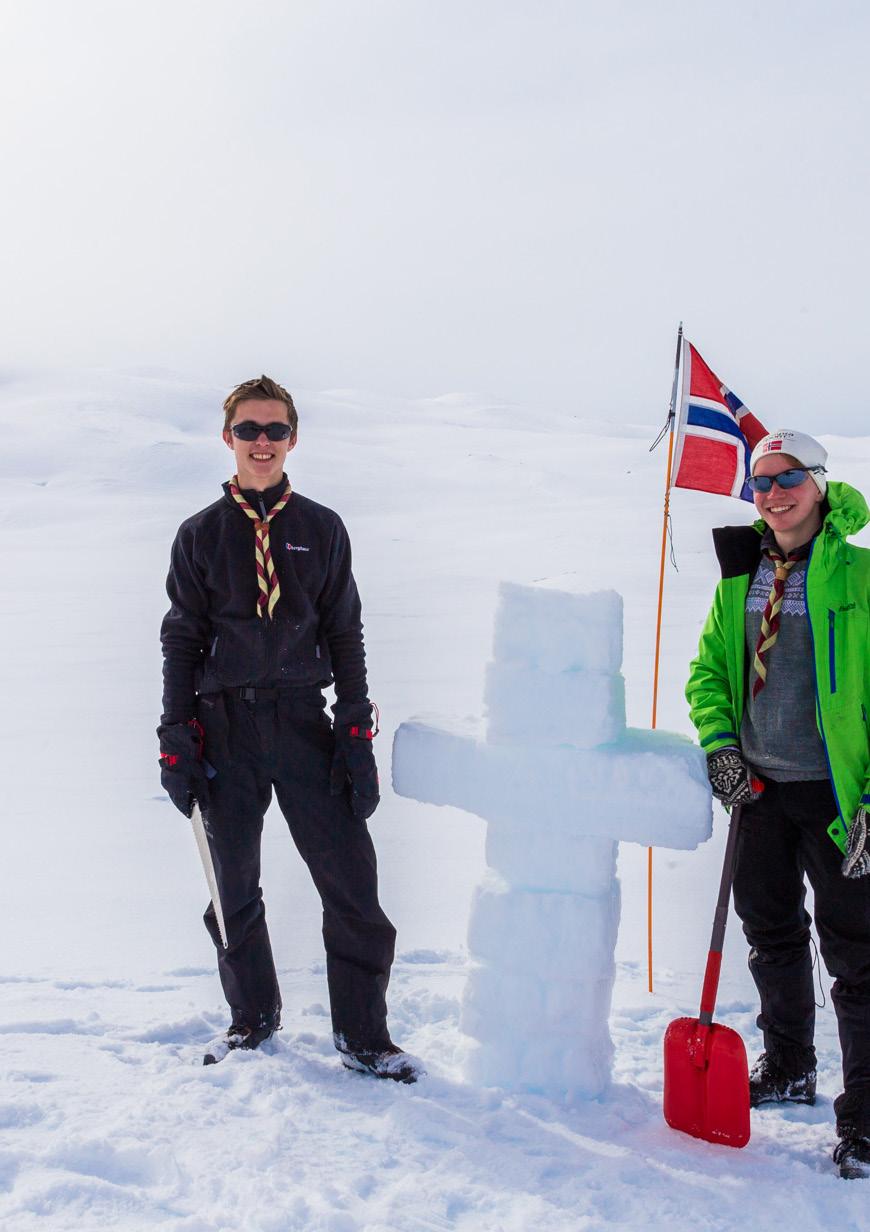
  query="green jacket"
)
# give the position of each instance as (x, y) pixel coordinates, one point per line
(837, 593)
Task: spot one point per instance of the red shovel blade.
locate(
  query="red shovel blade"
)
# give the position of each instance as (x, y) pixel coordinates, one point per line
(706, 1082)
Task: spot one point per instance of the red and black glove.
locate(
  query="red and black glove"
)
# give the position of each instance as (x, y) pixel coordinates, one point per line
(353, 762)
(182, 768)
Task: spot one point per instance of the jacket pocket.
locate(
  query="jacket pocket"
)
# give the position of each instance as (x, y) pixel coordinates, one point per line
(238, 653)
(832, 652)
(212, 714)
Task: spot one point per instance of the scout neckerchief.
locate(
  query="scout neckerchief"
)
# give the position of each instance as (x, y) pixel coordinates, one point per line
(267, 578)
(782, 566)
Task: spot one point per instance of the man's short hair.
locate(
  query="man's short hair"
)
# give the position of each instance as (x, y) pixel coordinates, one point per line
(261, 389)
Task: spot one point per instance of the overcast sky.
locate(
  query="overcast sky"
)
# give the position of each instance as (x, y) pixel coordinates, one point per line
(424, 196)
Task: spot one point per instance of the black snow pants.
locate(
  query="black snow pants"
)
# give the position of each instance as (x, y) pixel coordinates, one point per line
(782, 838)
(283, 738)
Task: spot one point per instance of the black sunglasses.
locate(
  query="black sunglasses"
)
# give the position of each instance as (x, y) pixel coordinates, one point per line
(249, 431)
(792, 478)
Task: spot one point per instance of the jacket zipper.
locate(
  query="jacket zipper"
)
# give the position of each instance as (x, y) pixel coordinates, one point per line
(816, 684)
(832, 660)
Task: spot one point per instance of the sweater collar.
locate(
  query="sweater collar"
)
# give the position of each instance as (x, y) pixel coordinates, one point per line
(769, 544)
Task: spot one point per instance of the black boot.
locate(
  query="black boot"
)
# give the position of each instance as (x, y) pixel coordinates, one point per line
(237, 1037)
(852, 1157)
(770, 1084)
(386, 1062)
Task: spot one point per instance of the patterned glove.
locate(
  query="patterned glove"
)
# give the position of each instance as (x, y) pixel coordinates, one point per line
(730, 778)
(857, 860)
(353, 763)
(182, 769)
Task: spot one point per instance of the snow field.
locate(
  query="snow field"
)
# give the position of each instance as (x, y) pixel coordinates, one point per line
(109, 1120)
(107, 986)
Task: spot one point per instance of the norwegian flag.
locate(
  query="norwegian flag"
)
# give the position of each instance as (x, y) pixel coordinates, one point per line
(715, 433)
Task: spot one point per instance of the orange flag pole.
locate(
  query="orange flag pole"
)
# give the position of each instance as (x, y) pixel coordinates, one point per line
(669, 428)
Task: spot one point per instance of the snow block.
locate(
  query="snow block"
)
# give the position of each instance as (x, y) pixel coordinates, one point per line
(541, 985)
(551, 857)
(553, 935)
(528, 706)
(499, 1008)
(649, 787)
(558, 632)
(569, 1070)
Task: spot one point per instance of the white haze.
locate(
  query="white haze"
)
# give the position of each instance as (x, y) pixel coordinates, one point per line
(410, 197)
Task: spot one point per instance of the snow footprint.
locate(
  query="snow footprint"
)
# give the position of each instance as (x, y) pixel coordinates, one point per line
(120, 1165)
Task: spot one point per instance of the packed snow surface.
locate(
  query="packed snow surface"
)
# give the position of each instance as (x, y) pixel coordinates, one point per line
(107, 983)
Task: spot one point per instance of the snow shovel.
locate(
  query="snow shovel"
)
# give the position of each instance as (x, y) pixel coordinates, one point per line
(706, 1075)
(208, 868)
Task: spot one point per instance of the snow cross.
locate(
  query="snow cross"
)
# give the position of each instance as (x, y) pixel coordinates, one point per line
(559, 779)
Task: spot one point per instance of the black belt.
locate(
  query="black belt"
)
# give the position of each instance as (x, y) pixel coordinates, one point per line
(248, 693)
(256, 695)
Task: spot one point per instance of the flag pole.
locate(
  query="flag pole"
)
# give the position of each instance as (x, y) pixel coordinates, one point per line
(672, 411)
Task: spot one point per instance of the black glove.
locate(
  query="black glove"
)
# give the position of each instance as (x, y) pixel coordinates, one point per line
(730, 778)
(182, 769)
(353, 762)
(857, 861)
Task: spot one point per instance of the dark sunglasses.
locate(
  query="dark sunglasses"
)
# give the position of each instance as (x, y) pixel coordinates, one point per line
(785, 479)
(249, 431)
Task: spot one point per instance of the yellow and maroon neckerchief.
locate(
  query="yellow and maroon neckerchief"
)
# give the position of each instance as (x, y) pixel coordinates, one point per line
(267, 578)
(782, 565)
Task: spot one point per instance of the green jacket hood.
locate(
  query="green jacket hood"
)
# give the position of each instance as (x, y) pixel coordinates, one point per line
(847, 514)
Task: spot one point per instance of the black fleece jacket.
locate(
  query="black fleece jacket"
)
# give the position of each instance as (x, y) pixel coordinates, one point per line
(212, 637)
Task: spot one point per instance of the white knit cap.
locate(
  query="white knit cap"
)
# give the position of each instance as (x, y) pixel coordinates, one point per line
(804, 449)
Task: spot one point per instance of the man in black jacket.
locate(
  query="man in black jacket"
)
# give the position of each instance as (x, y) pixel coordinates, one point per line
(264, 613)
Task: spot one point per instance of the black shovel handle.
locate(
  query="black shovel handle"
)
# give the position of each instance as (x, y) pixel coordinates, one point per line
(720, 919)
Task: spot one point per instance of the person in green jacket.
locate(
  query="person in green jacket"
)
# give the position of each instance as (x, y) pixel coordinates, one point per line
(780, 693)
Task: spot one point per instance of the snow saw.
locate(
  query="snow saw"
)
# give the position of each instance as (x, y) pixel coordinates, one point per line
(208, 868)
